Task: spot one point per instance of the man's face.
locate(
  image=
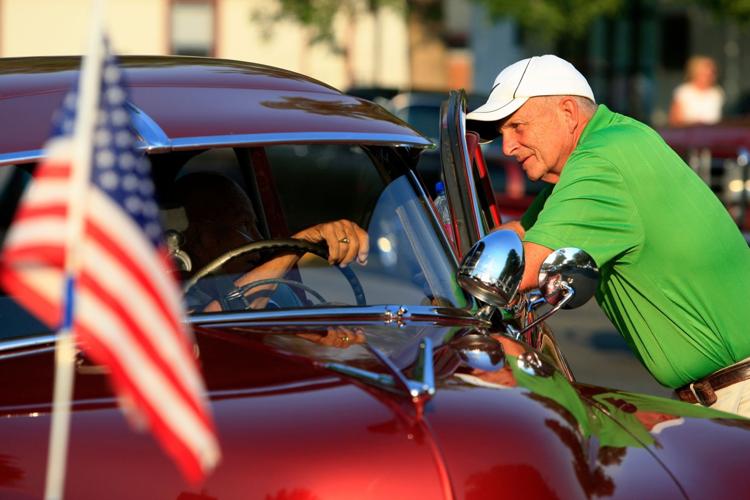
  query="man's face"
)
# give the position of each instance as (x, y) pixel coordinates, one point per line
(538, 137)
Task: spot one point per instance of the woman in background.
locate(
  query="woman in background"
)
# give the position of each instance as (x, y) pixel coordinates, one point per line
(699, 100)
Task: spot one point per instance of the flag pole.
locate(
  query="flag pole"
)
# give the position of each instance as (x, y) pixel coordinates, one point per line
(86, 115)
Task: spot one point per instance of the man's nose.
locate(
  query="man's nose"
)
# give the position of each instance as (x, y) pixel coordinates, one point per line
(509, 144)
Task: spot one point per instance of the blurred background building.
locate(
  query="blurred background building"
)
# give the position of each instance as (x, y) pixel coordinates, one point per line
(232, 29)
(634, 53)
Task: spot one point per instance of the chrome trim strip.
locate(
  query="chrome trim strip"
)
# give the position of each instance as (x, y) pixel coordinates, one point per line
(419, 391)
(399, 379)
(378, 379)
(469, 173)
(291, 316)
(24, 343)
(152, 134)
(338, 314)
(155, 140)
(21, 354)
(28, 156)
(425, 369)
(296, 137)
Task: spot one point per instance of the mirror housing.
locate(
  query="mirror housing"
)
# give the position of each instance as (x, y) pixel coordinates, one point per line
(568, 270)
(492, 269)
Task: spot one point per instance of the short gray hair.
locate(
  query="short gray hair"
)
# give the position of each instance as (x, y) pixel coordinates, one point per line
(588, 107)
(586, 104)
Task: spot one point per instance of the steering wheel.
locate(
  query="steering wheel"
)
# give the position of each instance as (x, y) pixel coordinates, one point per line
(301, 246)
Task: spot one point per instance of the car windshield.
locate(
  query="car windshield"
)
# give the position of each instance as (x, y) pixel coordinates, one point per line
(216, 201)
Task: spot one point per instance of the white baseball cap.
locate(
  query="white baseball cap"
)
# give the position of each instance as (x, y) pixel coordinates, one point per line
(535, 76)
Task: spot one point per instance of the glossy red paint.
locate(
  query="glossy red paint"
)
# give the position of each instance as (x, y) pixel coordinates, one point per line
(286, 428)
(289, 427)
(193, 98)
(289, 424)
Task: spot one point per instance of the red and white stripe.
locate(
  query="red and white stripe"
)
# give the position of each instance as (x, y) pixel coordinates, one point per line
(128, 313)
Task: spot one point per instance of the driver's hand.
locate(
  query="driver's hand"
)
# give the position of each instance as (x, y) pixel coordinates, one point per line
(346, 241)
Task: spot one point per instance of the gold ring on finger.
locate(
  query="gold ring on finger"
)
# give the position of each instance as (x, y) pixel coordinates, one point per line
(344, 240)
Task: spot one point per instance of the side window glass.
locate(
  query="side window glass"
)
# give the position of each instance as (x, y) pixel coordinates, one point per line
(320, 183)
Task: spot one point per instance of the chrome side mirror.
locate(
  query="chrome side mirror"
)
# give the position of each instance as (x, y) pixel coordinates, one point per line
(492, 269)
(568, 278)
(568, 275)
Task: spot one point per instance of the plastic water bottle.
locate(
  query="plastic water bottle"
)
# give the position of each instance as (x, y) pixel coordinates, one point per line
(443, 209)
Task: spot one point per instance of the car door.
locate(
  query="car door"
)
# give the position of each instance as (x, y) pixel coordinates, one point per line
(474, 211)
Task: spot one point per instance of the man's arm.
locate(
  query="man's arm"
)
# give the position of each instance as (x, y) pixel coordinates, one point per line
(346, 242)
(534, 256)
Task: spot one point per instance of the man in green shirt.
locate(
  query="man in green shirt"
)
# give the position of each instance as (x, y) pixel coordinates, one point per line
(674, 267)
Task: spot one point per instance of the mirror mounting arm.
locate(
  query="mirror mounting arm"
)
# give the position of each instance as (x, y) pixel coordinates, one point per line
(535, 299)
(569, 294)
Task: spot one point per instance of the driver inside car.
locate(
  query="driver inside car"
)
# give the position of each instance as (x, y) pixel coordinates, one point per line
(220, 219)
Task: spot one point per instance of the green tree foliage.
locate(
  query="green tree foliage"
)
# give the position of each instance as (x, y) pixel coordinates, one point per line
(553, 20)
(318, 15)
(737, 10)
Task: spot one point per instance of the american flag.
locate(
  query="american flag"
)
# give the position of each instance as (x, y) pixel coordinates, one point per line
(128, 313)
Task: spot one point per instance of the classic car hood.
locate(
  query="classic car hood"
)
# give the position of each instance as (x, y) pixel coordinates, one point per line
(291, 428)
(287, 429)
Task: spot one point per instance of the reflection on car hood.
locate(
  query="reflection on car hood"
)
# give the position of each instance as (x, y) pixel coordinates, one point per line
(288, 425)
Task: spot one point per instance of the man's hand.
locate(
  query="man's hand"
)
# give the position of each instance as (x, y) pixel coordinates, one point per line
(345, 239)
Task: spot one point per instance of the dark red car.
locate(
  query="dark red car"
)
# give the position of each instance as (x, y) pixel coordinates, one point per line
(383, 380)
(720, 155)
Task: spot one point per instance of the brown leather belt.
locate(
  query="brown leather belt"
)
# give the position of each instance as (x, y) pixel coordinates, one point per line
(703, 391)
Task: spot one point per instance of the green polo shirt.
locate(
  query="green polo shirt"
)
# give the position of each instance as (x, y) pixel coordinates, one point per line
(675, 270)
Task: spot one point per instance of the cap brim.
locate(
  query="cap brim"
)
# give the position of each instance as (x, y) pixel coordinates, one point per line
(483, 120)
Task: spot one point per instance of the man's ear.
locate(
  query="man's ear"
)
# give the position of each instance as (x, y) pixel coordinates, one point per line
(570, 112)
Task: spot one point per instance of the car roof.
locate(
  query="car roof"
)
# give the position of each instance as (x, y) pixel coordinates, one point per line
(189, 102)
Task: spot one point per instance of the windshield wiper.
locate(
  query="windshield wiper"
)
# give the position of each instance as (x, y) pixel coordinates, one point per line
(419, 391)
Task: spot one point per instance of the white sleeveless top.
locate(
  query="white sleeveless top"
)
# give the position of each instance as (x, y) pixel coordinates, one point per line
(699, 106)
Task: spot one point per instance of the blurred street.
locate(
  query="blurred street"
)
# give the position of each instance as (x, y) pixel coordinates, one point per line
(598, 354)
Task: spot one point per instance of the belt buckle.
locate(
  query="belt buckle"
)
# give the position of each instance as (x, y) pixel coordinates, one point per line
(704, 401)
(695, 394)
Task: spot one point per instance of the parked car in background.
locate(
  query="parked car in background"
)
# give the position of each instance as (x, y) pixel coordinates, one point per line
(421, 109)
(378, 380)
(720, 155)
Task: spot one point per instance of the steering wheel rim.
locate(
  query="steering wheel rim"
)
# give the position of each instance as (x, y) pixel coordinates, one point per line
(319, 249)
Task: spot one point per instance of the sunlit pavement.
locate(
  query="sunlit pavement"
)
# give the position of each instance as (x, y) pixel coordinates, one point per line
(598, 354)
